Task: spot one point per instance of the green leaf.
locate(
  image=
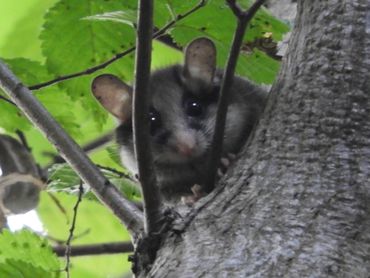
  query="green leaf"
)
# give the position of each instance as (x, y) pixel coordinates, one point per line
(62, 178)
(11, 118)
(22, 20)
(72, 44)
(19, 269)
(28, 248)
(126, 17)
(95, 224)
(263, 22)
(217, 22)
(52, 98)
(129, 188)
(113, 153)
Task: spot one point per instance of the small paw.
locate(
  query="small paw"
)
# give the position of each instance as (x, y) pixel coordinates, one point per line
(225, 162)
(198, 193)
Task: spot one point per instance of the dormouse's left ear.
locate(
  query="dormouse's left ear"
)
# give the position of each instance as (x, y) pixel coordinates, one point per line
(114, 95)
(200, 60)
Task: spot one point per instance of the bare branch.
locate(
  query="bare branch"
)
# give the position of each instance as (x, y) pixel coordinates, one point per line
(243, 20)
(91, 70)
(72, 228)
(128, 213)
(95, 249)
(141, 123)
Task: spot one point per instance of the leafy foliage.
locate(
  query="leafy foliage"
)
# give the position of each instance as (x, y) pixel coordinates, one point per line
(62, 178)
(30, 72)
(13, 269)
(95, 224)
(24, 254)
(86, 44)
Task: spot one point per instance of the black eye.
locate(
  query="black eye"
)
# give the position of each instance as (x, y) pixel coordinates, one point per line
(193, 107)
(155, 121)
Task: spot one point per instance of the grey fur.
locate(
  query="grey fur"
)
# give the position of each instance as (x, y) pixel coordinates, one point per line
(169, 88)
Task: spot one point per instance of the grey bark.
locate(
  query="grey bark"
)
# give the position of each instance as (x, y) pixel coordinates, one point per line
(297, 201)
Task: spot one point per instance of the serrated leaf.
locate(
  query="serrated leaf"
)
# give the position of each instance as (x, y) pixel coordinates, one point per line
(19, 269)
(113, 153)
(62, 178)
(128, 187)
(217, 22)
(29, 248)
(85, 44)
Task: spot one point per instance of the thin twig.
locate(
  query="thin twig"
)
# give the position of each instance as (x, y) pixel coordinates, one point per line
(7, 100)
(244, 18)
(128, 213)
(91, 70)
(72, 228)
(62, 242)
(120, 174)
(59, 205)
(23, 140)
(143, 153)
(94, 249)
(91, 146)
(236, 9)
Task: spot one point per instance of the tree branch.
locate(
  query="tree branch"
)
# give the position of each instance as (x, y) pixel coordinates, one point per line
(95, 249)
(128, 213)
(141, 123)
(244, 18)
(88, 71)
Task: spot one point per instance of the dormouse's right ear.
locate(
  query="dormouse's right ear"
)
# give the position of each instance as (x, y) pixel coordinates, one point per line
(200, 60)
(114, 95)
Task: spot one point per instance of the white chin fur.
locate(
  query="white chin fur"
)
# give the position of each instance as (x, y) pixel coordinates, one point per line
(128, 160)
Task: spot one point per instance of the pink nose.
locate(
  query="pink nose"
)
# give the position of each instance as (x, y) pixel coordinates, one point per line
(185, 149)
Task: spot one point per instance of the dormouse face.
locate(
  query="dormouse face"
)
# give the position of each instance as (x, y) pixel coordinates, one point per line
(183, 105)
(181, 116)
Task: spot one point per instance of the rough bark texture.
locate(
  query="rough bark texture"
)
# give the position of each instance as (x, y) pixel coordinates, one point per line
(297, 202)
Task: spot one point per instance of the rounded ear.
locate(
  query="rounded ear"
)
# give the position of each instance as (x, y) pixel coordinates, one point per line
(114, 95)
(200, 59)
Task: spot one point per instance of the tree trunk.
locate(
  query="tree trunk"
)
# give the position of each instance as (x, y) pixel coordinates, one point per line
(297, 201)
